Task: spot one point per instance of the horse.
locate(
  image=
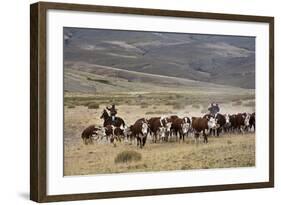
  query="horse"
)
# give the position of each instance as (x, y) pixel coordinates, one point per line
(118, 121)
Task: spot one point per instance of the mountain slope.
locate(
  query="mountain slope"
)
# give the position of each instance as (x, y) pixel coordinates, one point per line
(93, 79)
(227, 60)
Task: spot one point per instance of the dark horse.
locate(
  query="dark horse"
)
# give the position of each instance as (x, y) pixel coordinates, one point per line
(108, 120)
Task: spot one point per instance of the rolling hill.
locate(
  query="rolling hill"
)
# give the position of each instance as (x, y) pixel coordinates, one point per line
(95, 79)
(225, 60)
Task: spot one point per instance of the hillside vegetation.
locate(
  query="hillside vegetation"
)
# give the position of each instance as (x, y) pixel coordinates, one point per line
(227, 60)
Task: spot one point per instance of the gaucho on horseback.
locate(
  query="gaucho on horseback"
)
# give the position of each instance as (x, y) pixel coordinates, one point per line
(112, 119)
(113, 111)
(214, 109)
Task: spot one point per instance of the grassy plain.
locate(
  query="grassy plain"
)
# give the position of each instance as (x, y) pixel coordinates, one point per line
(224, 152)
(234, 150)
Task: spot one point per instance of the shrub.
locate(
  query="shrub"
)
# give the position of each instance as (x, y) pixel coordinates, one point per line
(250, 104)
(102, 81)
(88, 78)
(196, 106)
(237, 103)
(178, 106)
(127, 156)
(144, 105)
(93, 106)
(204, 111)
(169, 103)
(71, 106)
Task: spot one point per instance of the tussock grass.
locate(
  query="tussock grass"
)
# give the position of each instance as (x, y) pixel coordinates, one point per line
(93, 106)
(144, 105)
(250, 104)
(178, 106)
(71, 106)
(203, 111)
(170, 103)
(197, 106)
(237, 103)
(90, 79)
(100, 81)
(127, 156)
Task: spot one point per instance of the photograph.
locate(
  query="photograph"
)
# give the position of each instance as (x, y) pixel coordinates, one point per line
(149, 101)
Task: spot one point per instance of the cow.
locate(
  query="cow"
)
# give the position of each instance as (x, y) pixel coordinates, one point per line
(140, 131)
(202, 125)
(188, 122)
(113, 134)
(172, 130)
(233, 123)
(240, 121)
(252, 121)
(91, 132)
(220, 120)
(129, 134)
(167, 122)
(158, 126)
(172, 118)
(227, 126)
(181, 126)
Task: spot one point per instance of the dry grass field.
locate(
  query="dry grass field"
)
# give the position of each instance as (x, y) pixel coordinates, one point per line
(221, 152)
(228, 150)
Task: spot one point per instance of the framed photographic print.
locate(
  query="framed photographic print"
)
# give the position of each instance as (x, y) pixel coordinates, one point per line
(135, 102)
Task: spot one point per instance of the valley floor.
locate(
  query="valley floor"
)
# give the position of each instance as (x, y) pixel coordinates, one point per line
(226, 151)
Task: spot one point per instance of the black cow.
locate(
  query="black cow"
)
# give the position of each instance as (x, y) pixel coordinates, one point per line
(252, 121)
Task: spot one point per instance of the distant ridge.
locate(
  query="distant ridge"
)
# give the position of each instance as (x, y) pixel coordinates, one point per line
(89, 78)
(225, 60)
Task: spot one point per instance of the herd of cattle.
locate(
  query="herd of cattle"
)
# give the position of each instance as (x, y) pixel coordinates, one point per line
(168, 128)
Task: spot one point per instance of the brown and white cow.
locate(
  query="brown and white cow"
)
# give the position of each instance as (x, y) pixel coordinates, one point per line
(129, 134)
(113, 133)
(158, 127)
(167, 123)
(241, 122)
(90, 133)
(233, 123)
(181, 126)
(140, 131)
(171, 132)
(202, 125)
(227, 126)
(220, 121)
